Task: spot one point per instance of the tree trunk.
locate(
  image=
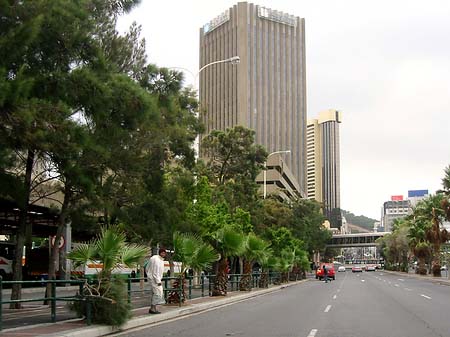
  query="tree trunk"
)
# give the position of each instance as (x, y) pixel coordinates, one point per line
(436, 264)
(264, 280)
(221, 280)
(16, 291)
(246, 280)
(61, 224)
(421, 269)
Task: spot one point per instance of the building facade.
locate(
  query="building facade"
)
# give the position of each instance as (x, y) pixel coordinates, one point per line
(394, 209)
(323, 160)
(266, 92)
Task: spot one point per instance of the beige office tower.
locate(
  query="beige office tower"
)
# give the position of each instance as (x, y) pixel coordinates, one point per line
(323, 157)
(267, 90)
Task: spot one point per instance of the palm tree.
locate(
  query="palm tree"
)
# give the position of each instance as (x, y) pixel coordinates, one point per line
(301, 263)
(193, 253)
(111, 250)
(445, 204)
(418, 243)
(430, 213)
(228, 242)
(267, 262)
(254, 251)
(285, 263)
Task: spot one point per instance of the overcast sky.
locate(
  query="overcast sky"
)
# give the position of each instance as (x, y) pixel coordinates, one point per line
(384, 64)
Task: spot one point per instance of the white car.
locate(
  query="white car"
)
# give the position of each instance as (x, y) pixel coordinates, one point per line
(341, 268)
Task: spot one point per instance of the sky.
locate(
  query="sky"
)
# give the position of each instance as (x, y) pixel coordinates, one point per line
(384, 64)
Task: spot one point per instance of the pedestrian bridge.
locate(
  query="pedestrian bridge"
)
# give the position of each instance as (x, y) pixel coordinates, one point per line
(355, 240)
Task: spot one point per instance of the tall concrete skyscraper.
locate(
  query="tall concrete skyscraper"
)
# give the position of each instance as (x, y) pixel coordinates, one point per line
(323, 156)
(267, 90)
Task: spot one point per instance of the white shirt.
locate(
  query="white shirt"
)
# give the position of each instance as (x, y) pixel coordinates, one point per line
(155, 269)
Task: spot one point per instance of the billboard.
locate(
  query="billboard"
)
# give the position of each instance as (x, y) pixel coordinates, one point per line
(396, 197)
(417, 193)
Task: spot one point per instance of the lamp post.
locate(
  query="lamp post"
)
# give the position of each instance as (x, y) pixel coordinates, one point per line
(233, 60)
(265, 169)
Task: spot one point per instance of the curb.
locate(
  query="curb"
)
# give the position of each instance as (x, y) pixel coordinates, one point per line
(100, 330)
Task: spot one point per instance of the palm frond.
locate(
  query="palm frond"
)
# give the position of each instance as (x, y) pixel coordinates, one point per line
(82, 254)
(132, 254)
(205, 257)
(230, 242)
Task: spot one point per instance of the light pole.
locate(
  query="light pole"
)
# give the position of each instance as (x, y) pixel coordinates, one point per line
(233, 60)
(265, 169)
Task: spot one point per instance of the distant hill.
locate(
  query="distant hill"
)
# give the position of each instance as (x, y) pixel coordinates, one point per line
(359, 220)
(357, 229)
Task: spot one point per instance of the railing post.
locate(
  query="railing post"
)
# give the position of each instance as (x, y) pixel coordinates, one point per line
(166, 282)
(88, 311)
(88, 307)
(129, 289)
(181, 289)
(203, 284)
(53, 299)
(1, 303)
(209, 285)
(190, 287)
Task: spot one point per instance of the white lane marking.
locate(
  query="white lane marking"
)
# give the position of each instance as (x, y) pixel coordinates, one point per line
(428, 297)
(334, 297)
(402, 280)
(312, 333)
(407, 289)
(397, 285)
(327, 308)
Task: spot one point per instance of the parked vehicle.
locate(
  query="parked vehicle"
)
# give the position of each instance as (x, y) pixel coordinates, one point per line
(330, 271)
(341, 269)
(6, 258)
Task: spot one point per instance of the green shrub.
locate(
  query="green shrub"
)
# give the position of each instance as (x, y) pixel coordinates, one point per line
(109, 304)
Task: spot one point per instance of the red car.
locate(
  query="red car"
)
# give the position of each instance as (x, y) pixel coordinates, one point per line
(330, 271)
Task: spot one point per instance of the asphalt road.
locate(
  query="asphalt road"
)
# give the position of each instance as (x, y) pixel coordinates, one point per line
(369, 304)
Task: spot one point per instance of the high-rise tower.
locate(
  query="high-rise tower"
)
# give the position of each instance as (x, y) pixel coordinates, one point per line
(323, 156)
(267, 91)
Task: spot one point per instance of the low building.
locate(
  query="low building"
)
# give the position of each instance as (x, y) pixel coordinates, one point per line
(279, 180)
(394, 209)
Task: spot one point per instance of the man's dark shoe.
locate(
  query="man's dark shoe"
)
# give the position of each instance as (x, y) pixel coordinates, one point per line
(153, 312)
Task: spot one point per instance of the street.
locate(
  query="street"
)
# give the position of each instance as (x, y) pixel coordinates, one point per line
(375, 304)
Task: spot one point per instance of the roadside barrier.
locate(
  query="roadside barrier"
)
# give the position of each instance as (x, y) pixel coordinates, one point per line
(52, 298)
(187, 287)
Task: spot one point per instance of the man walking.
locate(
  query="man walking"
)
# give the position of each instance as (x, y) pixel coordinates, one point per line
(155, 270)
(325, 273)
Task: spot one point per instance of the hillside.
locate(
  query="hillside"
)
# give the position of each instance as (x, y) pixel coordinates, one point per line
(359, 220)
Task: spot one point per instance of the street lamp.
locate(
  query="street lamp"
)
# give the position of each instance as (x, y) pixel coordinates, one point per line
(265, 169)
(233, 60)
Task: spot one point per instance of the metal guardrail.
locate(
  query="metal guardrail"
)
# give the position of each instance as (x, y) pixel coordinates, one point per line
(204, 283)
(52, 298)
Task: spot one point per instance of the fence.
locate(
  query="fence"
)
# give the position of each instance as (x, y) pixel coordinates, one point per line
(186, 288)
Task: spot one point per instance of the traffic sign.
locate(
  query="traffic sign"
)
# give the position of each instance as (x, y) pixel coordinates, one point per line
(61, 244)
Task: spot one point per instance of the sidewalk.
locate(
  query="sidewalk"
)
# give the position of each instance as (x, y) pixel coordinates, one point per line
(77, 327)
(429, 278)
